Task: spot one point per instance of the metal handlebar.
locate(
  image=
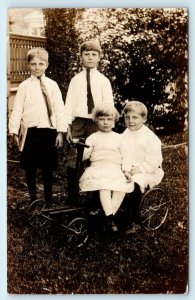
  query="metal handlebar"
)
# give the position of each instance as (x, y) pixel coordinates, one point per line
(80, 142)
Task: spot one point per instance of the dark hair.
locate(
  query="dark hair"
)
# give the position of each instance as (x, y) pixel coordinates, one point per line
(90, 46)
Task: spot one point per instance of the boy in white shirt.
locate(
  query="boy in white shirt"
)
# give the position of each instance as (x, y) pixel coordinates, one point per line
(144, 150)
(86, 90)
(39, 105)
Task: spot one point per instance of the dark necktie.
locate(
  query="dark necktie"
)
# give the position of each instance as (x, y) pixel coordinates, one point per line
(47, 99)
(90, 102)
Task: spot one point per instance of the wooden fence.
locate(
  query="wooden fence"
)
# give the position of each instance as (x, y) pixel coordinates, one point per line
(18, 47)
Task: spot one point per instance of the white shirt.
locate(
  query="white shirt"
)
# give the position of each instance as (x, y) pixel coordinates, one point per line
(76, 99)
(30, 106)
(144, 149)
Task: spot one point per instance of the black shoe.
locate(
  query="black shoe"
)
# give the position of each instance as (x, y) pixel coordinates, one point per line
(114, 227)
(132, 229)
(33, 197)
(48, 205)
(111, 223)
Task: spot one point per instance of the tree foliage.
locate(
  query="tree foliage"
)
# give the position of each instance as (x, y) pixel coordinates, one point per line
(144, 54)
(62, 44)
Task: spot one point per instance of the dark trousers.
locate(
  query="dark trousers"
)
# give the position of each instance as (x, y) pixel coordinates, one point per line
(129, 211)
(135, 199)
(39, 153)
(81, 128)
(47, 176)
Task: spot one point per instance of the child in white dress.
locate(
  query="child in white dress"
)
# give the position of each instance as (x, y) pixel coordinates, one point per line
(109, 163)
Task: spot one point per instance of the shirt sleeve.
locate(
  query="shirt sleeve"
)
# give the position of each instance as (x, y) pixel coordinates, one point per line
(16, 115)
(59, 109)
(126, 159)
(153, 156)
(68, 104)
(107, 92)
(88, 151)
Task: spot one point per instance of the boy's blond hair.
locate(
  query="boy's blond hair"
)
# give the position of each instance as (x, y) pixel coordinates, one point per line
(105, 109)
(136, 106)
(91, 45)
(40, 52)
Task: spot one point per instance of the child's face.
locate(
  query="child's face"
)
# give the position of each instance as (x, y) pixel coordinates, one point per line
(37, 66)
(134, 120)
(105, 123)
(90, 59)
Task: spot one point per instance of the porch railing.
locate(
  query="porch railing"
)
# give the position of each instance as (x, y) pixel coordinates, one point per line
(18, 47)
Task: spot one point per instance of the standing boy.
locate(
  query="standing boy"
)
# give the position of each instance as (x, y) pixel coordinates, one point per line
(86, 90)
(39, 105)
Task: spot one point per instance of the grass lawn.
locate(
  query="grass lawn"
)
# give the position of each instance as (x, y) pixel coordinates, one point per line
(40, 262)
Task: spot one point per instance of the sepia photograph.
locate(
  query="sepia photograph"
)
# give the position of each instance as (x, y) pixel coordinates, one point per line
(97, 151)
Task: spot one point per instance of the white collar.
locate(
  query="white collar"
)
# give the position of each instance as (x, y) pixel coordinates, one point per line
(91, 70)
(33, 77)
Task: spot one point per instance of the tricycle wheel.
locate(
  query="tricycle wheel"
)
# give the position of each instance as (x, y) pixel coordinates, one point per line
(37, 213)
(77, 232)
(153, 209)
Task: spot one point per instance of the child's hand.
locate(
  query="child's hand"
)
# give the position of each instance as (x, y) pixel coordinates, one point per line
(128, 176)
(15, 140)
(69, 135)
(59, 140)
(135, 170)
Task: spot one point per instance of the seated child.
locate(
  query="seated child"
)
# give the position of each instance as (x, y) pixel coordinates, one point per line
(144, 149)
(109, 163)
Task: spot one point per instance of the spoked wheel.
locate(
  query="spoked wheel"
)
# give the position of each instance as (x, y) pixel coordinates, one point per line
(77, 232)
(37, 213)
(153, 209)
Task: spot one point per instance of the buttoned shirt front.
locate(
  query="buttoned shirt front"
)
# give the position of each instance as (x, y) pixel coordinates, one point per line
(76, 99)
(30, 105)
(144, 149)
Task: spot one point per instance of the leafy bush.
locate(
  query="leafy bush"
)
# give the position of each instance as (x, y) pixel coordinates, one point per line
(144, 53)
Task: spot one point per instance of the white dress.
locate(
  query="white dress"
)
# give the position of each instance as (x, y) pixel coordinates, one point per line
(144, 148)
(108, 159)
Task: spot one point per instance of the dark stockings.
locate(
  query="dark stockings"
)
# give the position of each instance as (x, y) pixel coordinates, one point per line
(47, 175)
(135, 199)
(72, 188)
(31, 183)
